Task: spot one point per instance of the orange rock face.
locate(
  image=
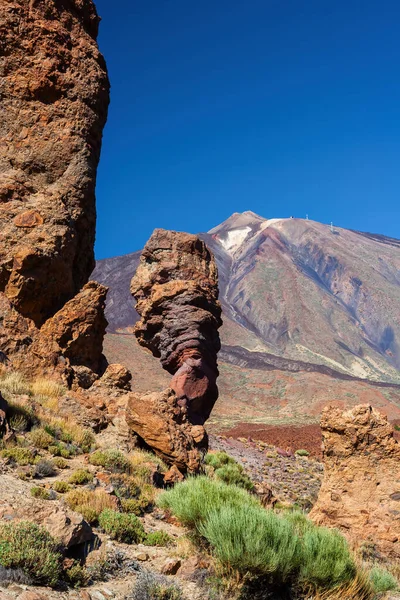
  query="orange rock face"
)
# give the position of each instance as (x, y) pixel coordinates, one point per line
(55, 95)
(360, 493)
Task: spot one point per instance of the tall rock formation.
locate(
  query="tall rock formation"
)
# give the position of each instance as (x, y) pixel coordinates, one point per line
(360, 493)
(54, 100)
(176, 289)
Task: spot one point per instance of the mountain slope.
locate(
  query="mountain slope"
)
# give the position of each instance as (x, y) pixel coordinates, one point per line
(297, 290)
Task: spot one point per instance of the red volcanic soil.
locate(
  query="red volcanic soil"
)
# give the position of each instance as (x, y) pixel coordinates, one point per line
(307, 437)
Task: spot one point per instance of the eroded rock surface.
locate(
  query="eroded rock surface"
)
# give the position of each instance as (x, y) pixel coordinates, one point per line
(360, 492)
(176, 289)
(54, 101)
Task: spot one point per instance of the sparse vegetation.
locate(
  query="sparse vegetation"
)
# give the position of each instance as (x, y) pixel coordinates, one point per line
(382, 580)
(40, 492)
(80, 477)
(158, 538)
(112, 460)
(31, 548)
(151, 586)
(302, 452)
(60, 463)
(45, 468)
(122, 527)
(62, 487)
(89, 503)
(19, 456)
(40, 438)
(225, 468)
(14, 383)
(76, 576)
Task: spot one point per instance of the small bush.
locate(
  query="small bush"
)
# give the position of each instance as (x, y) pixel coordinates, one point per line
(151, 586)
(20, 417)
(192, 500)
(326, 558)
(225, 468)
(122, 527)
(40, 492)
(14, 383)
(45, 468)
(112, 460)
(76, 576)
(61, 487)
(20, 456)
(253, 540)
(382, 580)
(81, 477)
(60, 463)
(46, 388)
(302, 452)
(89, 503)
(40, 438)
(158, 538)
(31, 548)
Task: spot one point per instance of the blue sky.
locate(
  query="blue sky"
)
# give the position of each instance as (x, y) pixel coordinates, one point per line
(276, 106)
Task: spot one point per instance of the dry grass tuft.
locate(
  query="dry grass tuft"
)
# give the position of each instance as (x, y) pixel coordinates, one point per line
(14, 383)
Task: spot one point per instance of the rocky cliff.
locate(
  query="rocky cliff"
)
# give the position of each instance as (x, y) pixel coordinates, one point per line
(54, 100)
(360, 492)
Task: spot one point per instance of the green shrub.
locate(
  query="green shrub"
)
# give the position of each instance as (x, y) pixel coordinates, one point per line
(158, 538)
(40, 492)
(112, 460)
(90, 503)
(62, 487)
(20, 456)
(326, 558)
(192, 500)
(302, 452)
(40, 438)
(253, 540)
(20, 417)
(60, 463)
(382, 580)
(80, 477)
(225, 468)
(31, 548)
(76, 576)
(88, 512)
(122, 527)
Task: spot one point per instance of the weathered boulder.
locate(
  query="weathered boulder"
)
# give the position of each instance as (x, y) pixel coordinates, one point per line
(176, 289)
(116, 376)
(55, 95)
(159, 420)
(360, 492)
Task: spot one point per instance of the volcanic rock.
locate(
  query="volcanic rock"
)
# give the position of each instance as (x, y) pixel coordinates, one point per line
(360, 492)
(176, 289)
(164, 426)
(55, 95)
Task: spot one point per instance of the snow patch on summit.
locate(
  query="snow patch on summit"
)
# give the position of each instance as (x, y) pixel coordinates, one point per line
(234, 238)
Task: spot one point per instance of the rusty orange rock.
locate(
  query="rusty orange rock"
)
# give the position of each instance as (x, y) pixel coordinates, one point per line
(360, 492)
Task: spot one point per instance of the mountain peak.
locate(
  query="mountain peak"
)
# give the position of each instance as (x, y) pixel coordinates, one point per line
(239, 220)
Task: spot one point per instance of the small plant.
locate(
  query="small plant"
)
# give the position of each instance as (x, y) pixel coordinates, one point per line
(76, 576)
(382, 580)
(14, 383)
(112, 460)
(45, 468)
(60, 463)
(225, 468)
(81, 477)
(89, 503)
(20, 456)
(62, 487)
(302, 452)
(122, 527)
(151, 586)
(40, 492)
(40, 438)
(31, 548)
(20, 417)
(158, 538)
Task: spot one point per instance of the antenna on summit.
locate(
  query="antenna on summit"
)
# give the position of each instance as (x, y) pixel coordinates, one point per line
(332, 229)
(306, 217)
